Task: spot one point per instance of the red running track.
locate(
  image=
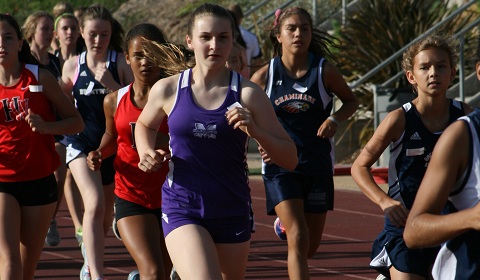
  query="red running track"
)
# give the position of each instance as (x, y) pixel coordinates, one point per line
(343, 254)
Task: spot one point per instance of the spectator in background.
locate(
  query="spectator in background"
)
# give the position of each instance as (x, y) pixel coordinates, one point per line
(237, 60)
(253, 47)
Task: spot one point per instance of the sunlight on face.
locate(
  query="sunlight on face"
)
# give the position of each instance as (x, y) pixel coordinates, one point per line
(295, 33)
(432, 71)
(97, 33)
(212, 39)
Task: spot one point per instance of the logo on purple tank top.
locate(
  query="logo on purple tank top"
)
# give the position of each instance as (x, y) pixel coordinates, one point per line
(209, 132)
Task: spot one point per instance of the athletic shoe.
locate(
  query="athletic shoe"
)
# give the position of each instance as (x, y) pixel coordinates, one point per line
(85, 273)
(174, 274)
(53, 236)
(84, 252)
(382, 277)
(134, 275)
(115, 229)
(279, 229)
(79, 236)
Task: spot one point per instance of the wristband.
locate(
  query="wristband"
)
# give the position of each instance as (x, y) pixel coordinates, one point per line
(331, 118)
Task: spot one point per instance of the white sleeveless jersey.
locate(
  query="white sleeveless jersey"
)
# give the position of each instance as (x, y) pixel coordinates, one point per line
(459, 258)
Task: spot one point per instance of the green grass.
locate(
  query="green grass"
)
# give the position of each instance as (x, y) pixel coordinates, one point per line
(255, 171)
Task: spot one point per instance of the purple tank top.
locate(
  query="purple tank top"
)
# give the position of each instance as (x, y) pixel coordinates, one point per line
(208, 169)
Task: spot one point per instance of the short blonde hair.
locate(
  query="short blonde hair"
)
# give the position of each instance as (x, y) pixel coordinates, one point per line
(30, 24)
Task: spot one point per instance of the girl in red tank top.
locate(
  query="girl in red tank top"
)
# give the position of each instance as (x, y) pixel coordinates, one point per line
(29, 99)
(138, 194)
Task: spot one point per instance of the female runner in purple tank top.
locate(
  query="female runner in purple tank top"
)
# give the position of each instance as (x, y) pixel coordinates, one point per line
(206, 198)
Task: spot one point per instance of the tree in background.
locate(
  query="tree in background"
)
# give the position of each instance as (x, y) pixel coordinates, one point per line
(369, 40)
(21, 9)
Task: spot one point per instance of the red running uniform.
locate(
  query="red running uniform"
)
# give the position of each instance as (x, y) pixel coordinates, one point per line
(25, 155)
(131, 183)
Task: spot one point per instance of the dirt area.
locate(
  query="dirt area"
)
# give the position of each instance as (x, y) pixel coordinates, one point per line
(161, 13)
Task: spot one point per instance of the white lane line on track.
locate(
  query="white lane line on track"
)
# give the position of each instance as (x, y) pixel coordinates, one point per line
(312, 268)
(336, 209)
(105, 268)
(315, 268)
(324, 234)
(359, 213)
(74, 259)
